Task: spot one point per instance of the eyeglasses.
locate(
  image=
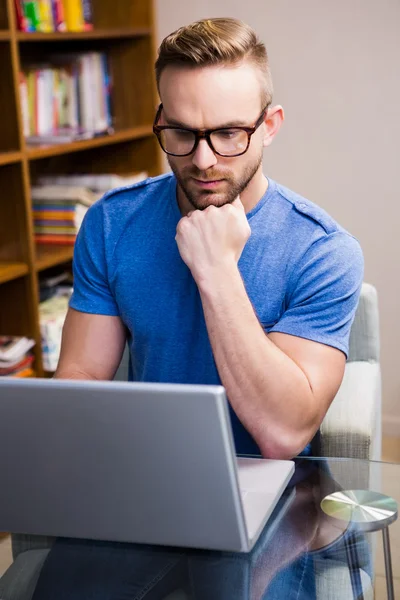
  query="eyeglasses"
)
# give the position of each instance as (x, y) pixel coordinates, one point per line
(225, 141)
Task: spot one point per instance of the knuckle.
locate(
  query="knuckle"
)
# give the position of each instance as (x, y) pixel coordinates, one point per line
(182, 225)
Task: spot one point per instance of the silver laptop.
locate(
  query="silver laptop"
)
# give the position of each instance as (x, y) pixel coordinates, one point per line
(130, 462)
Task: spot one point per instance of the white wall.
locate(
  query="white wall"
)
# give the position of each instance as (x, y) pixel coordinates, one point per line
(336, 71)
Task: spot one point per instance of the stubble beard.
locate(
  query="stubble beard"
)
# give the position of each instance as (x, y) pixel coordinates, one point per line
(201, 199)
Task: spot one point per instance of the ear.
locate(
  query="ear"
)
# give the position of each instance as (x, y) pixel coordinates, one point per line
(274, 118)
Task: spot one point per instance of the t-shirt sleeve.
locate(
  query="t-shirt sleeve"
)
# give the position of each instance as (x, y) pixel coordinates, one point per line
(323, 292)
(91, 290)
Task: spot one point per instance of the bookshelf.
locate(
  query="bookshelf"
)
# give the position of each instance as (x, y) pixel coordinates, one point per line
(125, 30)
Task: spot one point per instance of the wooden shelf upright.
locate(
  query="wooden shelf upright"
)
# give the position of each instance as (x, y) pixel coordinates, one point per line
(125, 31)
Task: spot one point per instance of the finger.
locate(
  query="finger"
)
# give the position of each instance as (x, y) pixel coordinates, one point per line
(189, 214)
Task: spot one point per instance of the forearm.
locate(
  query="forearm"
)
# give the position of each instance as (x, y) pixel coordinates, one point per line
(270, 394)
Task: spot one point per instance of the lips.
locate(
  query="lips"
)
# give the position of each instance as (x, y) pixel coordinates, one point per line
(208, 183)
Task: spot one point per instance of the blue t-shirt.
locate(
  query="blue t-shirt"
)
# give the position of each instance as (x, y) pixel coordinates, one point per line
(301, 270)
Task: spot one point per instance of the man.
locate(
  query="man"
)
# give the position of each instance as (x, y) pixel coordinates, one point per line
(215, 273)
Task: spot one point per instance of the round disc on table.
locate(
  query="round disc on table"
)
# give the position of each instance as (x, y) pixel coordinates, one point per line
(370, 510)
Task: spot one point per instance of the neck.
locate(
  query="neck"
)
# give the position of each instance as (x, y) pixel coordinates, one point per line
(254, 191)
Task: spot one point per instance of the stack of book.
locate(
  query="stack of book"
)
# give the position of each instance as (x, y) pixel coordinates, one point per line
(67, 100)
(60, 203)
(54, 15)
(15, 358)
(58, 212)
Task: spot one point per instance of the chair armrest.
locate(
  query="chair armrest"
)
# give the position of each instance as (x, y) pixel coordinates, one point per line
(21, 542)
(352, 425)
(20, 579)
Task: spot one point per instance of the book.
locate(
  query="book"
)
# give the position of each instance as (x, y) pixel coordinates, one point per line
(31, 14)
(23, 91)
(62, 240)
(22, 23)
(25, 363)
(65, 136)
(63, 194)
(46, 24)
(87, 15)
(58, 15)
(56, 229)
(74, 15)
(13, 348)
(24, 373)
(96, 182)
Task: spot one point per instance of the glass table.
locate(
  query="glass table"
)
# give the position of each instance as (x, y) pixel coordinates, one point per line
(305, 553)
(302, 553)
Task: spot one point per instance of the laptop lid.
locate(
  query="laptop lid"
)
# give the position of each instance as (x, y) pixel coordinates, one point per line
(133, 462)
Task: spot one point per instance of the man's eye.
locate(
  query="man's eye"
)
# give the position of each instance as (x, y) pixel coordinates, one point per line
(227, 134)
(182, 134)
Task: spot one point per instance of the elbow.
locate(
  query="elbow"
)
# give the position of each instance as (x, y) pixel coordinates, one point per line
(283, 446)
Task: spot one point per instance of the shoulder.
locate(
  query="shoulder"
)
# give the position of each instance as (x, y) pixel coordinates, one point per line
(146, 186)
(117, 206)
(309, 225)
(314, 241)
(131, 197)
(306, 211)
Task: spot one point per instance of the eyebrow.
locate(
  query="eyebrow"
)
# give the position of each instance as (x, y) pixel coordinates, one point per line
(175, 123)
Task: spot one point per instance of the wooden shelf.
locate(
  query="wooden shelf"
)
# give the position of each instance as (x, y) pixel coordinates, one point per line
(36, 152)
(48, 255)
(96, 34)
(7, 158)
(124, 32)
(11, 270)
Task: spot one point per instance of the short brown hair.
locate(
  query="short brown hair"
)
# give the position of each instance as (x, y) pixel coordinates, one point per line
(214, 42)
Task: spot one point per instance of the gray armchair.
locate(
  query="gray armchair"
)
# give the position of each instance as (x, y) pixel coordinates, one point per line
(352, 428)
(352, 425)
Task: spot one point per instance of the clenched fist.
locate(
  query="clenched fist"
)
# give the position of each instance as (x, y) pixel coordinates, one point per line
(213, 239)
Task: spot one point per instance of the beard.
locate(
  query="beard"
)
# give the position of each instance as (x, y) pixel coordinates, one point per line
(233, 186)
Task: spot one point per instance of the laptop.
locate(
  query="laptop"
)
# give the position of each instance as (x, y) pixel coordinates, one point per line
(130, 462)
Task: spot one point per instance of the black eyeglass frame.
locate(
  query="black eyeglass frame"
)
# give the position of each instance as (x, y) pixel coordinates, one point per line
(205, 134)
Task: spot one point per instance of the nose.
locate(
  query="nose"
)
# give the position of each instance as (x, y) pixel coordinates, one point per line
(204, 158)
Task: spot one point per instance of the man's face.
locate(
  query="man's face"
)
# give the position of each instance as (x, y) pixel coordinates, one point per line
(210, 98)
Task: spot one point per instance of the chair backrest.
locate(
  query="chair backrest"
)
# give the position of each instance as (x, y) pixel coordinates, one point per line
(364, 335)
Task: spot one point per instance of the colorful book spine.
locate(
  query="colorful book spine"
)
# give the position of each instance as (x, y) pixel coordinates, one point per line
(58, 15)
(32, 101)
(55, 230)
(21, 19)
(74, 15)
(24, 373)
(87, 15)
(23, 90)
(107, 89)
(46, 24)
(62, 240)
(32, 14)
